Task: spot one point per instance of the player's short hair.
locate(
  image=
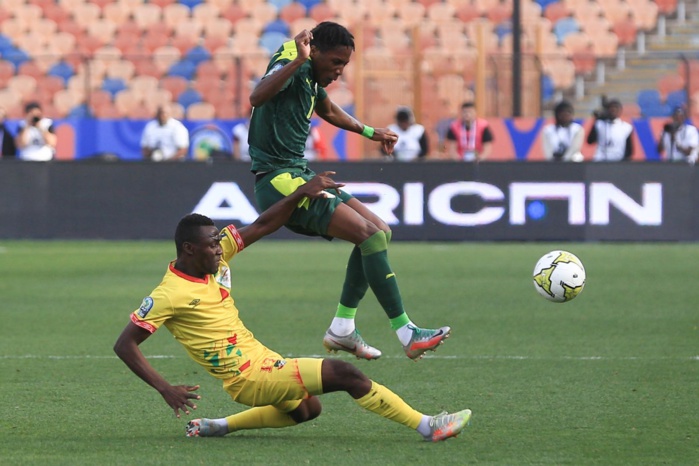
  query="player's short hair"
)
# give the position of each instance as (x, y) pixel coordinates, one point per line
(468, 104)
(328, 35)
(404, 114)
(187, 230)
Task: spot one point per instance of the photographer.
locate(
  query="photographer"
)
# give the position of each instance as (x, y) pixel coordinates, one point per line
(36, 141)
(614, 137)
(679, 141)
(563, 139)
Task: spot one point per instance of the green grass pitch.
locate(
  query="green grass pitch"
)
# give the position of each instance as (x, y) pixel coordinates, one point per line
(607, 379)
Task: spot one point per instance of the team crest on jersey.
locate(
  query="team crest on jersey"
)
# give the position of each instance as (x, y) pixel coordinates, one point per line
(223, 277)
(280, 363)
(145, 308)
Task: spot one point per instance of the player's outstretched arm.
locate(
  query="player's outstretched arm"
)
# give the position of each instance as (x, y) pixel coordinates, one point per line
(333, 114)
(273, 218)
(178, 397)
(270, 84)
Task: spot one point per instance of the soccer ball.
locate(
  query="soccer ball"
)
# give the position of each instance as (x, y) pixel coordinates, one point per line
(559, 276)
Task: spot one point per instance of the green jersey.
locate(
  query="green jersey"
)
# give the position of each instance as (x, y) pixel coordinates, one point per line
(279, 127)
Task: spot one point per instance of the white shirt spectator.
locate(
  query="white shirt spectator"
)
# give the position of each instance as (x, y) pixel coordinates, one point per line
(676, 141)
(240, 138)
(613, 138)
(563, 142)
(37, 148)
(165, 140)
(411, 143)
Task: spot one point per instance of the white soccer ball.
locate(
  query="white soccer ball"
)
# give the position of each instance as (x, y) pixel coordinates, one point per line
(559, 276)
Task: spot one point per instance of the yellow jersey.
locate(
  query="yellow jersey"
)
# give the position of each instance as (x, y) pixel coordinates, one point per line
(201, 315)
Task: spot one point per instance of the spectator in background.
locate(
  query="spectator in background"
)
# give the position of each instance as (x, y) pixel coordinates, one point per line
(164, 138)
(315, 146)
(679, 141)
(240, 141)
(8, 147)
(469, 138)
(35, 140)
(614, 137)
(564, 138)
(412, 138)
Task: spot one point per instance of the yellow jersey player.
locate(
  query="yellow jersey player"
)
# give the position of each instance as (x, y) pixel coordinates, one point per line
(194, 303)
(284, 100)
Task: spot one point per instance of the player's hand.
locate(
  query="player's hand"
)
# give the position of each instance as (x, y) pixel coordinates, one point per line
(318, 184)
(386, 137)
(303, 44)
(179, 397)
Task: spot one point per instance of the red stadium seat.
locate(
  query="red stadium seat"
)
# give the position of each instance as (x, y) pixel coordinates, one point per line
(291, 12)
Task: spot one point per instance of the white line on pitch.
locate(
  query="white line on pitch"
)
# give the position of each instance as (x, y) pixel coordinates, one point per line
(428, 356)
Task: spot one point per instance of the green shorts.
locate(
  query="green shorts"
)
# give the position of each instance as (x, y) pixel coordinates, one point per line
(311, 217)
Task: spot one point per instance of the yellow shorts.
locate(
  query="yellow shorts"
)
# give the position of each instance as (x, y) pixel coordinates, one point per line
(282, 383)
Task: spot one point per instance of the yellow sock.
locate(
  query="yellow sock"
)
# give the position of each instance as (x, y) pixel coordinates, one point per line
(257, 418)
(384, 402)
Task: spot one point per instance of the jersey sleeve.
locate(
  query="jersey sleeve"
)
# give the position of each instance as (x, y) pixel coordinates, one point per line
(276, 66)
(154, 311)
(231, 242)
(322, 94)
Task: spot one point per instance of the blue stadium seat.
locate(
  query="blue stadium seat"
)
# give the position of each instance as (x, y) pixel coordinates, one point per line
(189, 97)
(648, 97)
(80, 111)
(271, 41)
(5, 43)
(309, 3)
(190, 3)
(676, 99)
(280, 3)
(277, 26)
(197, 55)
(565, 26)
(502, 30)
(15, 56)
(183, 68)
(63, 70)
(548, 88)
(113, 85)
(544, 3)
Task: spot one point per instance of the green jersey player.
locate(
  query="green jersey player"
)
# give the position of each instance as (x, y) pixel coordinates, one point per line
(283, 102)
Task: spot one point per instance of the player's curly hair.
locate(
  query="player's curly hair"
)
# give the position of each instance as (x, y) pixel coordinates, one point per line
(328, 35)
(187, 230)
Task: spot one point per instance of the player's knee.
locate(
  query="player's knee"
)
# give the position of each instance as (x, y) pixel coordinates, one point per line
(309, 409)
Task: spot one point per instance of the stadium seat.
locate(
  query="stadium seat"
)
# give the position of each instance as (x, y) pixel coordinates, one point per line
(118, 14)
(183, 68)
(277, 26)
(666, 7)
(113, 85)
(291, 12)
(123, 69)
(162, 3)
(15, 56)
(233, 13)
(205, 12)
(646, 14)
(85, 13)
(125, 101)
(50, 84)
(189, 97)
(25, 86)
(166, 56)
(565, 26)
(147, 14)
(279, 4)
(191, 3)
(321, 12)
(677, 99)
(304, 23)
(200, 111)
(154, 39)
(556, 10)
(271, 41)
(156, 98)
(625, 31)
(141, 86)
(309, 3)
(65, 100)
(176, 85)
(606, 44)
(61, 69)
(197, 55)
(30, 68)
(251, 28)
(175, 14)
(263, 12)
(10, 101)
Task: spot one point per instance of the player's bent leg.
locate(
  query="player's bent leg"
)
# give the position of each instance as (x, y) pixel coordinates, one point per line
(309, 409)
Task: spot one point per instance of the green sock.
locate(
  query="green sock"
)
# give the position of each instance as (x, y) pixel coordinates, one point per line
(378, 273)
(355, 286)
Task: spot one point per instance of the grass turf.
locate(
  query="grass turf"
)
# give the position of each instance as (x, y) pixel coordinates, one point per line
(607, 379)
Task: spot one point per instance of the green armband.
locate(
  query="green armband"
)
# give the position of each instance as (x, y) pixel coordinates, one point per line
(368, 132)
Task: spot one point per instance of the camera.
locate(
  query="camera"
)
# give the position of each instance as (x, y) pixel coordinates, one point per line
(560, 151)
(603, 113)
(36, 119)
(671, 128)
